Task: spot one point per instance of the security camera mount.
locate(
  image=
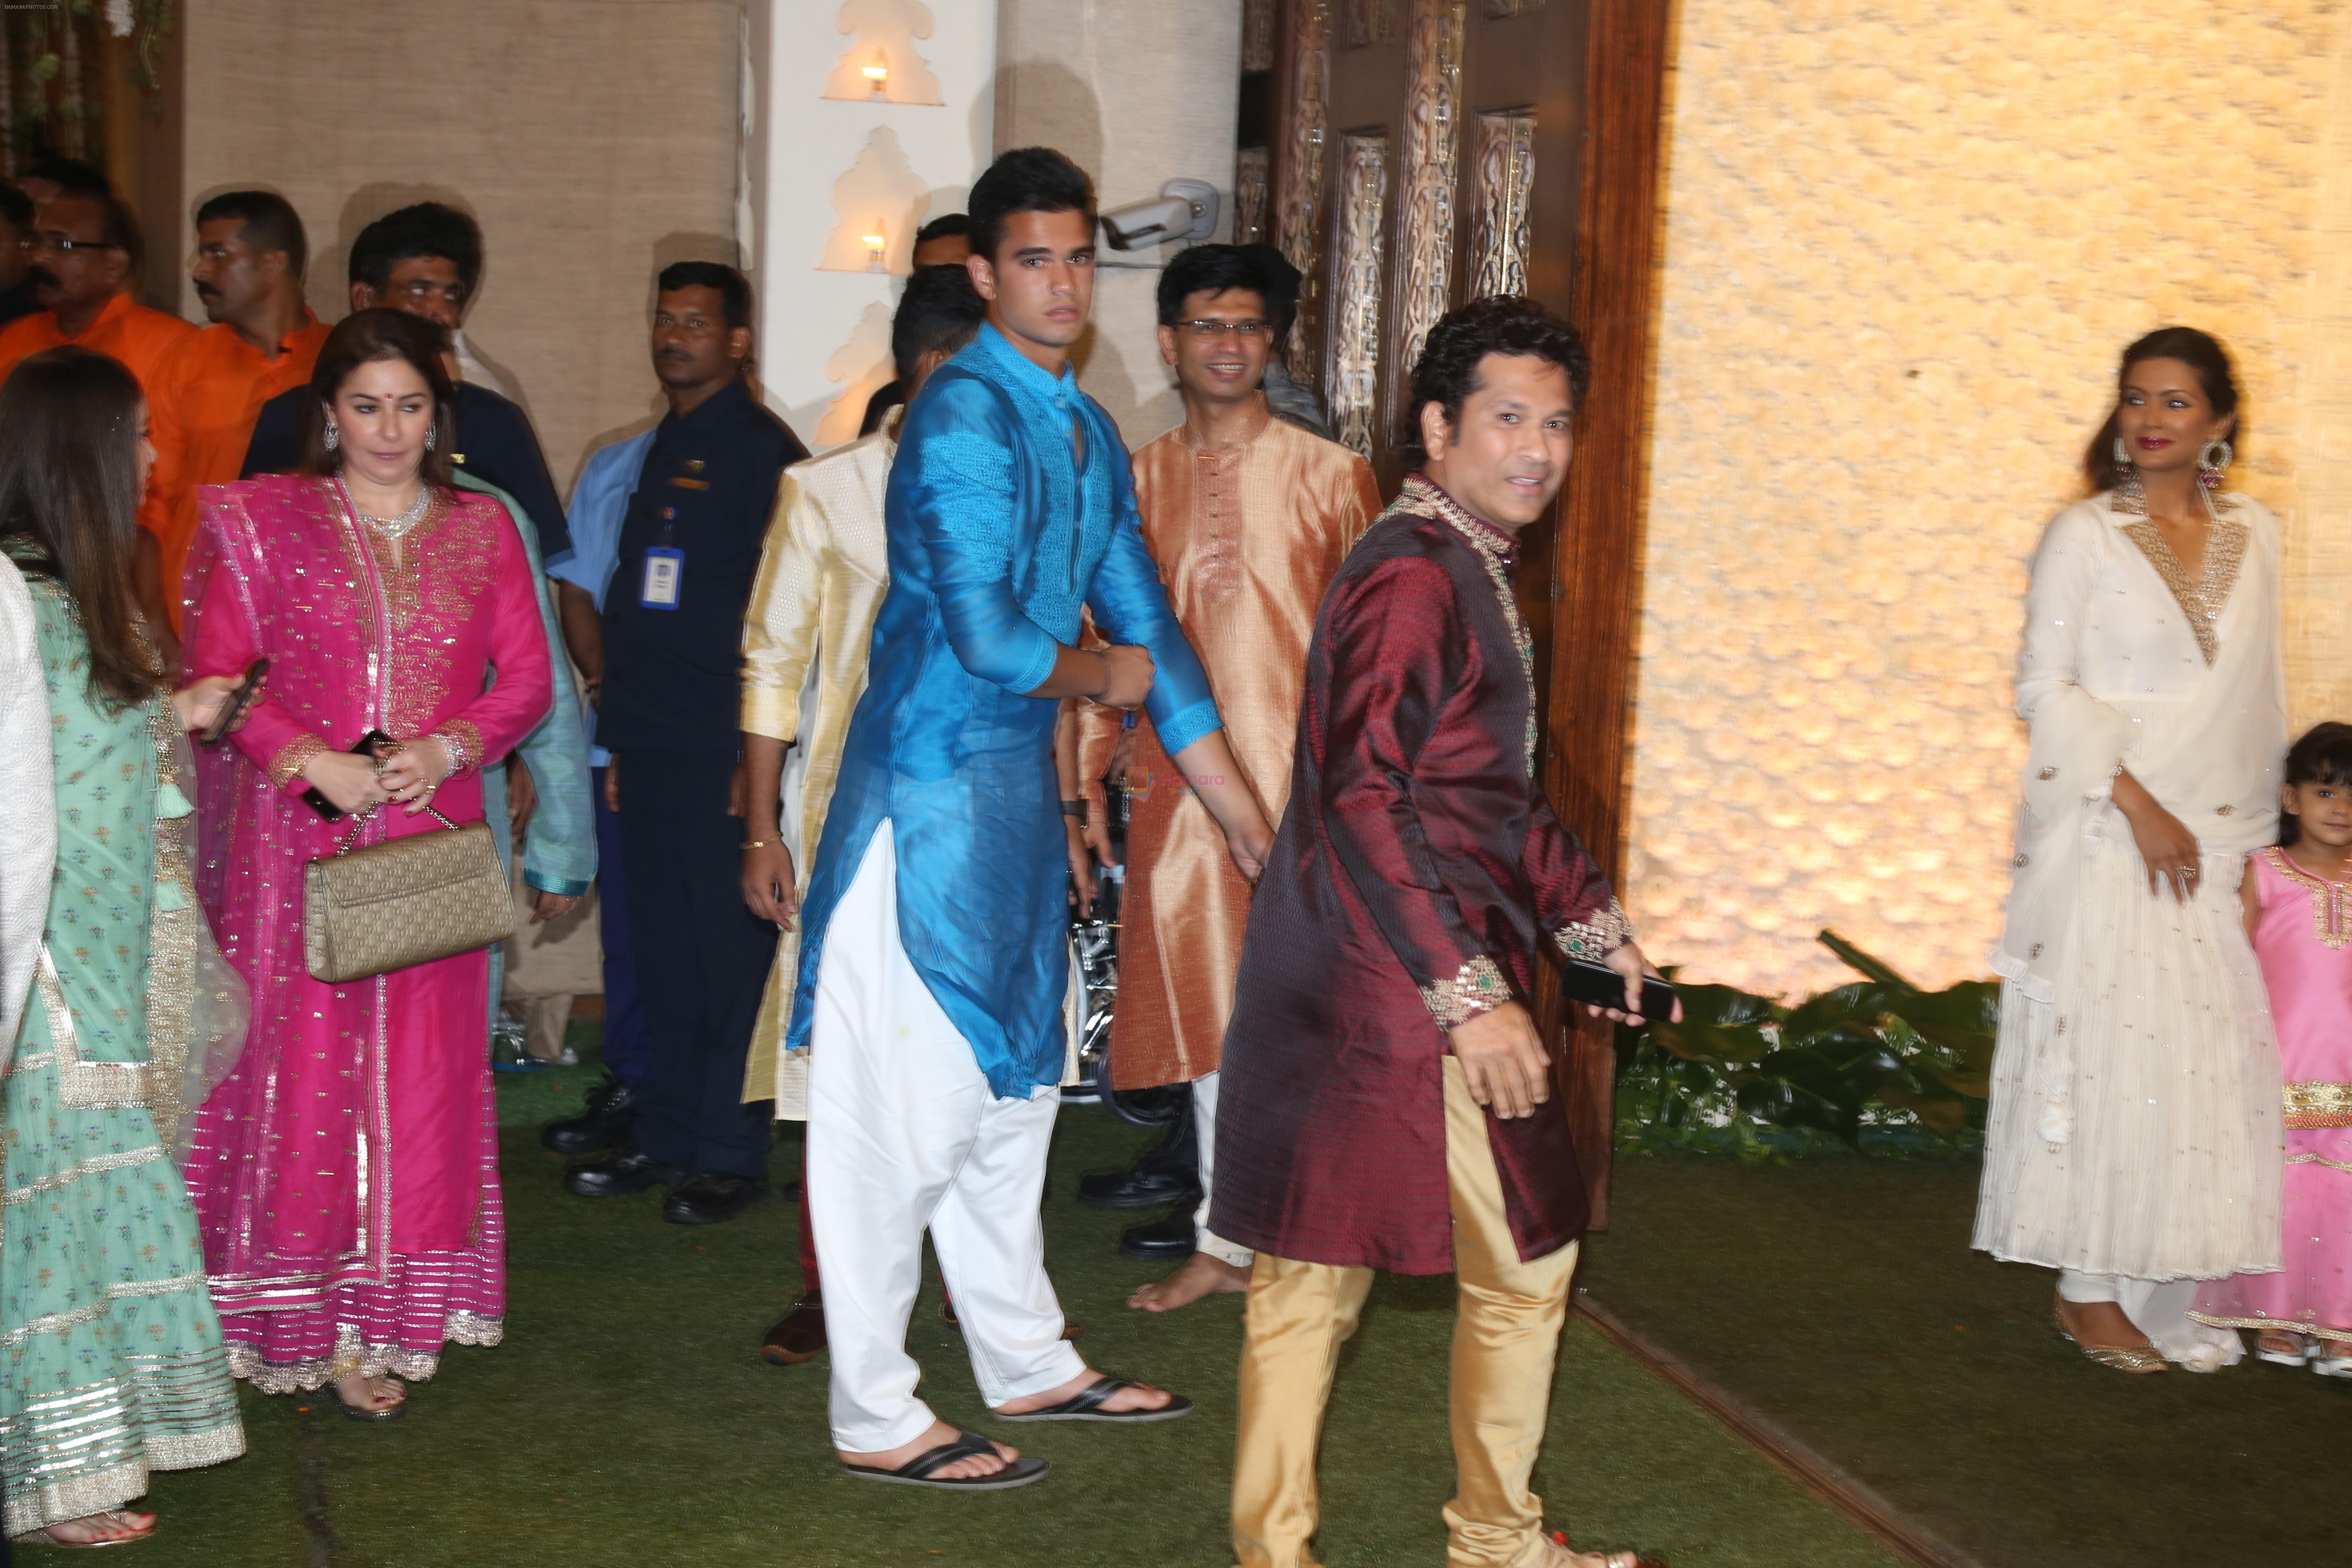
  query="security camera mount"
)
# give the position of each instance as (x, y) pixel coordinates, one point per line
(1184, 212)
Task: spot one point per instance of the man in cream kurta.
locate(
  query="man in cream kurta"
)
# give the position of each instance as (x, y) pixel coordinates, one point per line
(823, 572)
(1247, 518)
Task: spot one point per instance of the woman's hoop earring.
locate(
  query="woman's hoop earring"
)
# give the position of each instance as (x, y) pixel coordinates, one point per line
(428, 438)
(2212, 459)
(334, 436)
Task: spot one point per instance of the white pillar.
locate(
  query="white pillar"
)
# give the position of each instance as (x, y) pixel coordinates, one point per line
(831, 157)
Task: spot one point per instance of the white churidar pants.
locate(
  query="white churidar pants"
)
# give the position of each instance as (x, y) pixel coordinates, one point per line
(903, 1134)
(1204, 1128)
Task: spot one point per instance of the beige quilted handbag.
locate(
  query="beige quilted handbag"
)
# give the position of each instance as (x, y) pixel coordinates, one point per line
(408, 900)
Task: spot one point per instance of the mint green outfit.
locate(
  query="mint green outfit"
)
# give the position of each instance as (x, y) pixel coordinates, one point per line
(112, 1363)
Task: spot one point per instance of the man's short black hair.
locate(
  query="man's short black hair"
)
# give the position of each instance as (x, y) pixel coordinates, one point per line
(941, 310)
(264, 220)
(427, 228)
(1447, 371)
(947, 226)
(73, 176)
(1026, 180)
(1208, 269)
(734, 288)
(1282, 280)
(16, 209)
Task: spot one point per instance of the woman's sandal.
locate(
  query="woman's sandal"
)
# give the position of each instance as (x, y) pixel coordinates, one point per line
(918, 1471)
(1086, 1404)
(393, 1411)
(1559, 1554)
(2122, 1358)
(2332, 1358)
(119, 1519)
(2284, 1350)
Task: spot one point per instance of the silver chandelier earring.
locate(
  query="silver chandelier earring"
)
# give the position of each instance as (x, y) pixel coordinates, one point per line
(334, 436)
(2123, 455)
(428, 438)
(2212, 459)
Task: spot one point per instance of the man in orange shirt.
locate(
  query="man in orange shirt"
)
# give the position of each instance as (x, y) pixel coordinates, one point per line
(81, 260)
(250, 251)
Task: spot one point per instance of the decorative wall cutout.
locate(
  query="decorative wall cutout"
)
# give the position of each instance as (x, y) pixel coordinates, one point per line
(1357, 267)
(1299, 223)
(1506, 181)
(1370, 22)
(880, 197)
(1249, 196)
(864, 363)
(1433, 141)
(881, 65)
(1257, 35)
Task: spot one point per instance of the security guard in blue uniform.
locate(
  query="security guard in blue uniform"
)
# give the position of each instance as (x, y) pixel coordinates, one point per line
(673, 653)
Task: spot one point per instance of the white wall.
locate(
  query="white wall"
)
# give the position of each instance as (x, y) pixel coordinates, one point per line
(825, 335)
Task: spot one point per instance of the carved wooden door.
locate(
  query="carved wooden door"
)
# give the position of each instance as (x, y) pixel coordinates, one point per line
(1424, 153)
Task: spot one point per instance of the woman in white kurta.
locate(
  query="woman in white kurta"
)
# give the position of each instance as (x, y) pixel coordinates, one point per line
(2134, 1141)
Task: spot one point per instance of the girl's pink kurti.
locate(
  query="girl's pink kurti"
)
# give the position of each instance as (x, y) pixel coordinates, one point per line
(346, 1172)
(2305, 943)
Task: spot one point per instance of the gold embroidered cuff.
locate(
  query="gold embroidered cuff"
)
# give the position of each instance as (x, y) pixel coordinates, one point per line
(1596, 938)
(467, 753)
(293, 757)
(2319, 1104)
(1478, 986)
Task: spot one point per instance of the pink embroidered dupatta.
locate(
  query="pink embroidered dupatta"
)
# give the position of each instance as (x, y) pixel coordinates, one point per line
(345, 1172)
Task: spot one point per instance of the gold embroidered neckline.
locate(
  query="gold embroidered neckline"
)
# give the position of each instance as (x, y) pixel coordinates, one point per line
(1495, 552)
(2201, 601)
(2331, 902)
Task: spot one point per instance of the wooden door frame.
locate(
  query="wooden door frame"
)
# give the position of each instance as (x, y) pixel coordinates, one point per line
(1587, 575)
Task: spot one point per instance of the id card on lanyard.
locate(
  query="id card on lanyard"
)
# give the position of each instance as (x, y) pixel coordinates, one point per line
(664, 567)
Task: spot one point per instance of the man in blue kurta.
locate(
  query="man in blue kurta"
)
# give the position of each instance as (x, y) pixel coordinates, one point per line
(933, 959)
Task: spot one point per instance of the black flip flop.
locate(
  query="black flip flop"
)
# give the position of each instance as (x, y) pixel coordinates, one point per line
(916, 1471)
(1086, 1404)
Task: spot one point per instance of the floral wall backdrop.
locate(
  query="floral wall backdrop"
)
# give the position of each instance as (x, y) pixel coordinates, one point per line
(1905, 243)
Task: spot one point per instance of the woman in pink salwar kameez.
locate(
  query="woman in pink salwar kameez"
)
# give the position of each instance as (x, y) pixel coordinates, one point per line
(346, 1174)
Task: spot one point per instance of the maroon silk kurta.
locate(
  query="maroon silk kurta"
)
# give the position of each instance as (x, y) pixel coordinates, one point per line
(1417, 869)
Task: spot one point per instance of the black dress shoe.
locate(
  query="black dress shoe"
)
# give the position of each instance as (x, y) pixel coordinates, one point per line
(612, 1113)
(1137, 1188)
(1171, 1236)
(632, 1172)
(709, 1198)
(799, 1337)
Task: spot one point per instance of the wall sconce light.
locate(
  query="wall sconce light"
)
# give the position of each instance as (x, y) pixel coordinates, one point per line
(877, 77)
(876, 242)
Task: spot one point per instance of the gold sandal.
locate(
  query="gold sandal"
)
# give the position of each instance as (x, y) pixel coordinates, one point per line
(1557, 1553)
(2122, 1358)
(129, 1534)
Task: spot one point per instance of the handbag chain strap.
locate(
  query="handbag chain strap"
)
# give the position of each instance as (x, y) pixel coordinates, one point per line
(368, 815)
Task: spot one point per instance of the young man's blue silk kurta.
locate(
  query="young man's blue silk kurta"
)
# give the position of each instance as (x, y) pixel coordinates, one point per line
(998, 538)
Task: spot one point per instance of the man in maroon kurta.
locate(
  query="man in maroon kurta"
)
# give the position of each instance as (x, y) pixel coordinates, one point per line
(1384, 1080)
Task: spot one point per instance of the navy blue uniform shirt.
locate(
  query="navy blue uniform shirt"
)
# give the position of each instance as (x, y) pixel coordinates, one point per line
(672, 677)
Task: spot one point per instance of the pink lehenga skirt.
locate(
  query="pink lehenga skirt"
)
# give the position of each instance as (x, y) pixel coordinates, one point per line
(346, 1178)
(2312, 1293)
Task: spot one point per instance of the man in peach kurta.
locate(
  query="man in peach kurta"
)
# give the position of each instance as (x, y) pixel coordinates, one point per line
(1248, 518)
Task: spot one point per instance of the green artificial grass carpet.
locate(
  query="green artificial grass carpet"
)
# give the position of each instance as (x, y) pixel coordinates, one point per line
(1838, 1296)
(627, 1422)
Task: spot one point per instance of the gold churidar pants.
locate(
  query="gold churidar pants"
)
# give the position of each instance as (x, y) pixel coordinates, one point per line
(1506, 1340)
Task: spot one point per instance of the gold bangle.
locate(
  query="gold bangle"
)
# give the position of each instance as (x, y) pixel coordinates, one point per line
(758, 843)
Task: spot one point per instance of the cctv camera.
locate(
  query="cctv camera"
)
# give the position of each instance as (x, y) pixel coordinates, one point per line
(1185, 211)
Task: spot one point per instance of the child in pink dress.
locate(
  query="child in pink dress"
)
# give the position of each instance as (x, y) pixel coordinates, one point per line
(2298, 899)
